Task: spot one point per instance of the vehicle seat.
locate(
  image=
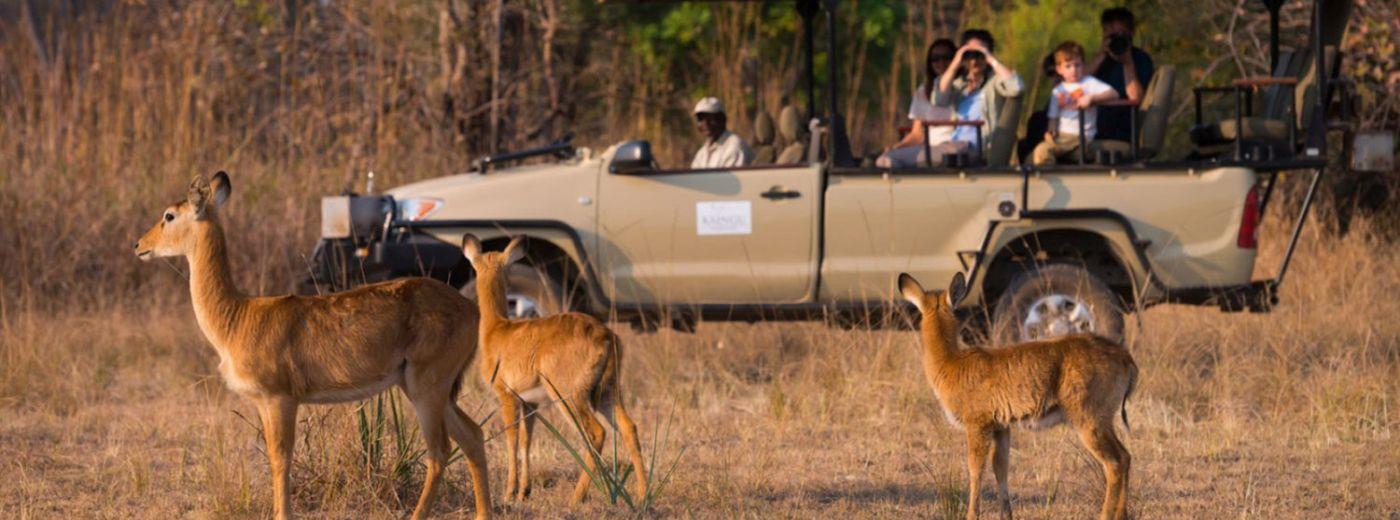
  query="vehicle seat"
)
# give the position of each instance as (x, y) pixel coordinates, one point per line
(1001, 143)
(1151, 117)
(1270, 127)
(765, 151)
(794, 135)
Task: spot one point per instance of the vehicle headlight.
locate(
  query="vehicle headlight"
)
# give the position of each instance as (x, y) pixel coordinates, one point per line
(417, 208)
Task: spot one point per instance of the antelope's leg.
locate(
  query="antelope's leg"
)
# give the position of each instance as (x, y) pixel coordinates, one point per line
(587, 418)
(473, 443)
(279, 418)
(1120, 506)
(430, 410)
(1104, 445)
(628, 430)
(527, 429)
(510, 417)
(1001, 463)
(977, 445)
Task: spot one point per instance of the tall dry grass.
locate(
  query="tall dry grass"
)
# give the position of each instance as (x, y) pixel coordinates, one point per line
(113, 124)
(110, 404)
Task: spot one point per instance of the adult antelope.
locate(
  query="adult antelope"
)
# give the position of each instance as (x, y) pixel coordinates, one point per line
(1083, 378)
(283, 351)
(533, 362)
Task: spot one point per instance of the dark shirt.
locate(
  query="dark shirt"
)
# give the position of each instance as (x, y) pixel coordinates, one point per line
(1116, 122)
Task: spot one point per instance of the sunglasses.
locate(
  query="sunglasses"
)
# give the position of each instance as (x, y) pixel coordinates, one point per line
(940, 57)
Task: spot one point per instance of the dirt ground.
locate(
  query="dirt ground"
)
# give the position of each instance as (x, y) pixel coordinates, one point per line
(776, 420)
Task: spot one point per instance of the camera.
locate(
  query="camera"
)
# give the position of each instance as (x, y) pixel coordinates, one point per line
(1119, 44)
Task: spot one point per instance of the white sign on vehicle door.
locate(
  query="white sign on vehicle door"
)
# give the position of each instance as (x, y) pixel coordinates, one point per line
(724, 218)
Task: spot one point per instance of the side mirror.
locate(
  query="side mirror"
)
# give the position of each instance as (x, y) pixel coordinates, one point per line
(632, 157)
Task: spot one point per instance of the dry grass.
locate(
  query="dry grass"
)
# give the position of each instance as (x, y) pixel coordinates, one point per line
(110, 406)
(118, 411)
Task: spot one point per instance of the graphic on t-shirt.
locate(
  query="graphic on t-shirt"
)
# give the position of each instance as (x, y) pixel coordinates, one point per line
(1069, 99)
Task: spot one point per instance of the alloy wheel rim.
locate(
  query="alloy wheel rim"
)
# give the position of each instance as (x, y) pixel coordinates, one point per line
(1056, 315)
(522, 306)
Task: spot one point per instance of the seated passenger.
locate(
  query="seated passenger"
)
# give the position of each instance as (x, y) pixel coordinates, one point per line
(722, 148)
(1122, 66)
(910, 151)
(981, 91)
(1072, 99)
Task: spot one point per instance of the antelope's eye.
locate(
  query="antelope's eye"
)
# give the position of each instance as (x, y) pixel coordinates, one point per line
(169, 216)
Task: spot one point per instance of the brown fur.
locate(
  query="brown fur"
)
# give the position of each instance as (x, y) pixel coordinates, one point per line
(570, 356)
(1082, 378)
(283, 351)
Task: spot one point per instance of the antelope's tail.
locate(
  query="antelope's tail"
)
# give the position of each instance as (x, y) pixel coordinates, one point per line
(1132, 383)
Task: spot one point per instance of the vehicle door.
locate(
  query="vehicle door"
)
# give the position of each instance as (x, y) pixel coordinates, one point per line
(714, 236)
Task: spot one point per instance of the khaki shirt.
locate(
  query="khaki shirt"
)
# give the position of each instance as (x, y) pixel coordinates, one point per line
(729, 151)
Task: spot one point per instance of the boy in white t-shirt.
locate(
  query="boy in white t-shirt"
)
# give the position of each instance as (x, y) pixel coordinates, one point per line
(1072, 99)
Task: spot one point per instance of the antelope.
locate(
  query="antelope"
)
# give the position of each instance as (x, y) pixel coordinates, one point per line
(1081, 378)
(531, 363)
(284, 351)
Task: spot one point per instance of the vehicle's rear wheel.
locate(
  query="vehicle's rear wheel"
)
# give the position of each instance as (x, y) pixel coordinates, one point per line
(530, 292)
(1056, 300)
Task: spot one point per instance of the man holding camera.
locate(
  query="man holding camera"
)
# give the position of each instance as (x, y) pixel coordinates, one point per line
(1124, 67)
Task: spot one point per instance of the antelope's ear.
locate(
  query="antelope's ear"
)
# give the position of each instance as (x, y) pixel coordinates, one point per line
(957, 289)
(911, 290)
(198, 195)
(471, 248)
(515, 250)
(221, 186)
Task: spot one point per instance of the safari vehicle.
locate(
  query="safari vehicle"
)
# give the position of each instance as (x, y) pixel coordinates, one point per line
(1046, 250)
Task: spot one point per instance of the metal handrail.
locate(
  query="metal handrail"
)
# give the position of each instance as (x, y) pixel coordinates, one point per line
(926, 123)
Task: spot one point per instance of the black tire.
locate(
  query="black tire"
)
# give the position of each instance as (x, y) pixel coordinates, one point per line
(534, 285)
(1055, 300)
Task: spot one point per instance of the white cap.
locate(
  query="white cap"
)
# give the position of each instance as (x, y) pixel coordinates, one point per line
(709, 105)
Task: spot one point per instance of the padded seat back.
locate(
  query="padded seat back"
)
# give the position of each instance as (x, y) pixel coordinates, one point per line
(1274, 104)
(1306, 93)
(765, 150)
(1002, 142)
(1155, 110)
(794, 136)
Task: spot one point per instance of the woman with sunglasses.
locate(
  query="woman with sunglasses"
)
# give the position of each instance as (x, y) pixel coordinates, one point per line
(910, 150)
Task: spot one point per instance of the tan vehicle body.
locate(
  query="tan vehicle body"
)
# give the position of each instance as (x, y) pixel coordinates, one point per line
(839, 237)
(1188, 220)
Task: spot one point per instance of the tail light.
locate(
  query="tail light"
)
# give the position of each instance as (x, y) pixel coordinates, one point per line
(1249, 222)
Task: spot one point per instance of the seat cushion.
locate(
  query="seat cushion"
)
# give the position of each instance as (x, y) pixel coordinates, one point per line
(790, 125)
(1114, 145)
(764, 154)
(1255, 129)
(795, 153)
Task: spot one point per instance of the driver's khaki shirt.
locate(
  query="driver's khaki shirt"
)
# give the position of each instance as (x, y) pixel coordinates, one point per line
(728, 151)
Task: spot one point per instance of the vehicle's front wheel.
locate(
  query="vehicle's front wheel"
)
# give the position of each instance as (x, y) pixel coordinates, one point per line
(530, 293)
(1056, 300)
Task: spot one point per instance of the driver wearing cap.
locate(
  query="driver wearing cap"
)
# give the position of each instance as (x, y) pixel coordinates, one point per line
(722, 148)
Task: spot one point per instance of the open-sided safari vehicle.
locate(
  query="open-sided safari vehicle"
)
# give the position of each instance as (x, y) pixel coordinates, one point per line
(813, 235)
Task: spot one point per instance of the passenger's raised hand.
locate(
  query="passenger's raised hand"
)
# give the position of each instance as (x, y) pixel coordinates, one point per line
(974, 45)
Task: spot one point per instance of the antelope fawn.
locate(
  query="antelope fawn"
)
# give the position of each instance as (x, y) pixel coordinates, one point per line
(283, 351)
(529, 363)
(1082, 378)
